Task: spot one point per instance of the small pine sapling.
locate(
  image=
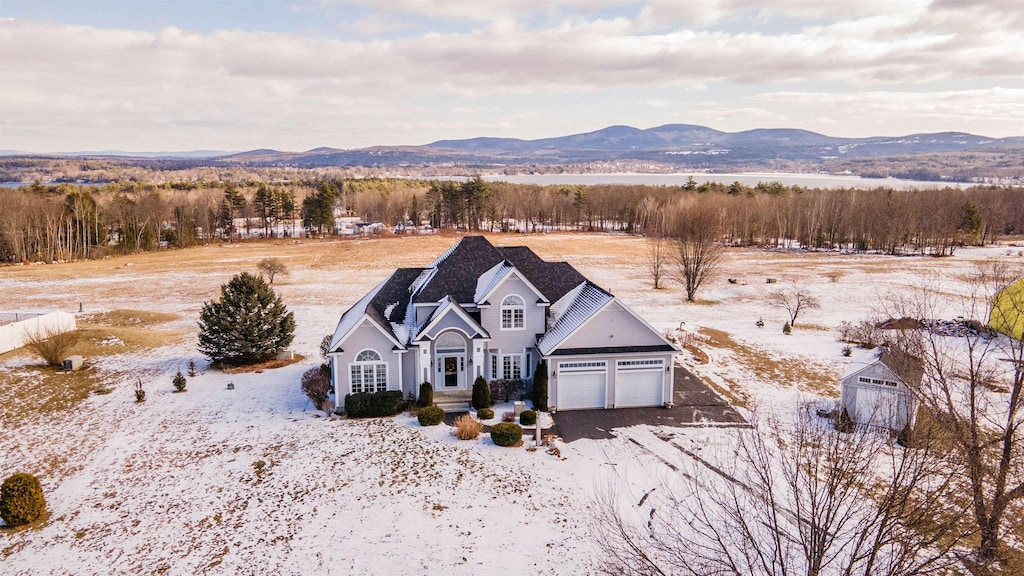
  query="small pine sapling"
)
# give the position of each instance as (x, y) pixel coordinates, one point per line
(179, 382)
(787, 329)
(191, 368)
(140, 394)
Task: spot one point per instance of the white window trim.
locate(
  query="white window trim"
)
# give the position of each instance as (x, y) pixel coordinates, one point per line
(510, 373)
(378, 371)
(876, 381)
(512, 308)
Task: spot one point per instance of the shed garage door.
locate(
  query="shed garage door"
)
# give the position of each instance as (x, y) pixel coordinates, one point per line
(877, 407)
(639, 382)
(581, 385)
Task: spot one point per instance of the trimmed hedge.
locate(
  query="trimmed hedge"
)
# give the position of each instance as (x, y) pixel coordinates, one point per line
(481, 393)
(528, 418)
(506, 433)
(540, 387)
(485, 413)
(375, 404)
(21, 499)
(430, 416)
(426, 395)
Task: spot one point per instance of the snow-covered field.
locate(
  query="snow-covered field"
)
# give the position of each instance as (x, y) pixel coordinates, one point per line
(254, 481)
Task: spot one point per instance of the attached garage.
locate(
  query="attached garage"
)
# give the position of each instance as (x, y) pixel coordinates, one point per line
(639, 383)
(582, 385)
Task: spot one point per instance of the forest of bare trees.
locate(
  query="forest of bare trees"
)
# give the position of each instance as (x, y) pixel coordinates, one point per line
(64, 222)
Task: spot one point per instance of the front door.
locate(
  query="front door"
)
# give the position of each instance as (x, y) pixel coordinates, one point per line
(451, 371)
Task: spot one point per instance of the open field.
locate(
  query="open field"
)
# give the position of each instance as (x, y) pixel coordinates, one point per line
(172, 486)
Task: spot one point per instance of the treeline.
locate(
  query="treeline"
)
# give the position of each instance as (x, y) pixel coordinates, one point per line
(65, 222)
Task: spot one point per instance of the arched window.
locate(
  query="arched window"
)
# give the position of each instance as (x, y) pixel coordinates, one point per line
(512, 313)
(450, 343)
(368, 373)
(368, 356)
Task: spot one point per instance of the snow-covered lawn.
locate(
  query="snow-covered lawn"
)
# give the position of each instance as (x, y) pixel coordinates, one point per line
(175, 485)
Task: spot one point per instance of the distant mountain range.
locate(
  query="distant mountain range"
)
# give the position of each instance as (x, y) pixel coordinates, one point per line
(676, 146)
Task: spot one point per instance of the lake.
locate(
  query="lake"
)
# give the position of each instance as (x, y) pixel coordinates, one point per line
(747, 179)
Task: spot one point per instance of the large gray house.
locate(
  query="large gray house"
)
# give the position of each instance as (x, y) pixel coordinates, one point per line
(481, 310)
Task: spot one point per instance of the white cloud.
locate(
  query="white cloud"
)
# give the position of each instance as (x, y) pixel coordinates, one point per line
(236, 88)
(993, 112)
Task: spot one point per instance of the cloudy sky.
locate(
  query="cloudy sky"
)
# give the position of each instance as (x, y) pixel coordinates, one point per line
(149, 75)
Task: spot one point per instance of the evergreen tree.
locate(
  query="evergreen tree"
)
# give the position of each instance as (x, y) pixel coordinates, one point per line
(248, 324)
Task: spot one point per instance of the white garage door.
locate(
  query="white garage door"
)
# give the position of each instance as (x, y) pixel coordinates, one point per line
(877, 407)
(581, 385)
(639, 382)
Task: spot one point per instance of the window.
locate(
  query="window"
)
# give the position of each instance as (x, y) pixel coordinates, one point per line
(368, 356)
(875, 381)
(368, 373)
(511, 366)
(512, 313)
(624, 365)
(529, 363)
(494, 366)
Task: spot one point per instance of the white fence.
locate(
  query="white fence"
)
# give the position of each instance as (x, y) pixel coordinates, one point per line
(15, 327)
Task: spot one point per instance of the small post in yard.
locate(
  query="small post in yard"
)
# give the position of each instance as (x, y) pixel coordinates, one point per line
(536, 432)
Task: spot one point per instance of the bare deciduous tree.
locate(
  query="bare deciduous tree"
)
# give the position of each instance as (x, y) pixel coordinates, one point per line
(792, 500)
(657, 259)
(272, 267)
(793, 300)
(52, 344)
(973, 386)
(699, 250)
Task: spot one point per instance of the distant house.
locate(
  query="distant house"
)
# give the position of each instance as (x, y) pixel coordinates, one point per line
(496, 312)
(873, 393)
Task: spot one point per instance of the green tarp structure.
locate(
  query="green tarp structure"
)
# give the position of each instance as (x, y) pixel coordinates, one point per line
(1007, 314)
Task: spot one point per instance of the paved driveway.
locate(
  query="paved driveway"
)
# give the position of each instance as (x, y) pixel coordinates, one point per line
(695, 403)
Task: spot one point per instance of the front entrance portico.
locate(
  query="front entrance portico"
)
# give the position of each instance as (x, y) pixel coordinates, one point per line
(450, 362)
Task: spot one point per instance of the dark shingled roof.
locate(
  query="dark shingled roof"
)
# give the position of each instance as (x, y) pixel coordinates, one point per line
(908, 367)
(553, 279)
(614, 350)
(396, 289)
(458, 272)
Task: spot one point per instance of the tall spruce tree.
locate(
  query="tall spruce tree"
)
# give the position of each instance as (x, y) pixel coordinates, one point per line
(248, 324)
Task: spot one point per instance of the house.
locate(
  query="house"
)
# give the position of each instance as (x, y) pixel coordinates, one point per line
(878, 388)
(497, 312)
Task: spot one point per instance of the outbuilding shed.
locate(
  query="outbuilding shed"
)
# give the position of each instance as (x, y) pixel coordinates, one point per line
(878, 388)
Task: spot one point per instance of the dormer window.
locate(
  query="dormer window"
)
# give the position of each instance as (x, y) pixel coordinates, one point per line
(512, 313)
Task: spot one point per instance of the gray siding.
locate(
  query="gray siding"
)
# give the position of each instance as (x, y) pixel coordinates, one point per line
(533, 317)
(365, 336)
(451, 319)
(513, 341)
(612, 326)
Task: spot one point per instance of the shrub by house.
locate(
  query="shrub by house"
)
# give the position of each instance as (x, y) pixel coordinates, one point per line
(506, 433)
